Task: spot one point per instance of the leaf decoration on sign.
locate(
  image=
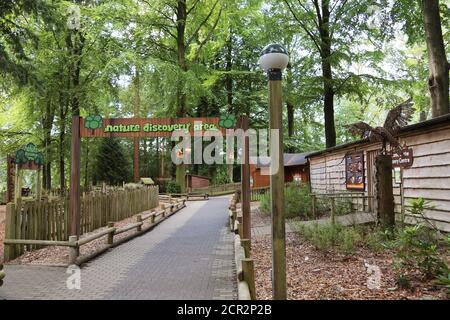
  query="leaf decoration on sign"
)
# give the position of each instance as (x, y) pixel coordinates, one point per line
(93, 122)
(227, 121)
(29, 153)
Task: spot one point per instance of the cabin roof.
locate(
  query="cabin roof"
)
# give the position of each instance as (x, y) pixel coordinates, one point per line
(417, 127)
(147, 181)
(290, 159)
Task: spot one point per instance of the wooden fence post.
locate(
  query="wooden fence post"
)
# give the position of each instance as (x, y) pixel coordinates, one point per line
(313, 204)
(249, 276)
(333, 211)
(110, 239)
(73, 250)
(10, 231)
(240, 230)
(245, 243)
(139, 219)
(2, 274)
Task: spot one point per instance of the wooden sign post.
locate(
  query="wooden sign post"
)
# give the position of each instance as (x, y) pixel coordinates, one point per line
(11, 174)
(26, 158)
(245, 182)
(74, 201)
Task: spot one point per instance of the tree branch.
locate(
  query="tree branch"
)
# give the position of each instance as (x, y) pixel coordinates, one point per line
(193, 7)
(194, 35)
(209, 34)
(304, 27)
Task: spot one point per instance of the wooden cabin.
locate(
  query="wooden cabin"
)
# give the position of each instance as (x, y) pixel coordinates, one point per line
(422, 171)
(195, 181)
(296, 168)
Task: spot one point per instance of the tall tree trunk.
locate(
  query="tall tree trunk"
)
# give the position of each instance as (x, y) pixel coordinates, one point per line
(229, 88)
(438, 81)
(86, 167)
(181, 50)
(137, 109)
(47, 128)
(327, 74)
(290, 119)
(63, 109)
(62, 166)
(290, 107)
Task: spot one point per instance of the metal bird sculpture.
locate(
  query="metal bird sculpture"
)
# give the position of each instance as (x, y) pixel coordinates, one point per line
(396, 119)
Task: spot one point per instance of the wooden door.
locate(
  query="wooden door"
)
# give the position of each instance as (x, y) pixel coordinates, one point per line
(371, 179)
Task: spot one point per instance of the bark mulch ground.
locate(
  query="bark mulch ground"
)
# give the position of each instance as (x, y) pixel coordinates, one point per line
(316, 275)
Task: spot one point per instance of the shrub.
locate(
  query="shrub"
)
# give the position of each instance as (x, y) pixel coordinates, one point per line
(297, 201)
(417, 249)
(221, 176)
(377, 239)
(173, 187)
(418, 246)
(264, 203)
(327, 236)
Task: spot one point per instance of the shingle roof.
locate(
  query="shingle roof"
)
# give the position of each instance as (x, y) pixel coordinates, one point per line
(290, 159)
(435, 122)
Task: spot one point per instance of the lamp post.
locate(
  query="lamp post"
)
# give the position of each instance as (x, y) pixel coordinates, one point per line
(274, 59)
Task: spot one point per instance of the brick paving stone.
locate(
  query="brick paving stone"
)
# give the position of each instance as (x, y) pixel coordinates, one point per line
(188, 256)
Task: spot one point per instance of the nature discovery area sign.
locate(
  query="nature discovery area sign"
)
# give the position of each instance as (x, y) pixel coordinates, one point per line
(96, 126)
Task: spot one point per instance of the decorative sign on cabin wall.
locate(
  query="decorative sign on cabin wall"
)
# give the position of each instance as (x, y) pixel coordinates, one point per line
(354, 171)
(403, 159)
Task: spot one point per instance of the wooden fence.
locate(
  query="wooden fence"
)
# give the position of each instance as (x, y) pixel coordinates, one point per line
(258, 193)
(99, 209)
(74, 244)
(49, 220)
(218, 189)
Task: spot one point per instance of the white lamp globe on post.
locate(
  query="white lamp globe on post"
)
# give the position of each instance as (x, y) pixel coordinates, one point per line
(274, 59)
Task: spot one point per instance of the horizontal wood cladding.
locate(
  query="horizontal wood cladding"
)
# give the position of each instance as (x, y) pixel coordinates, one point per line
(427, 183)
(428, 177)
(443, 226)
(442, 171)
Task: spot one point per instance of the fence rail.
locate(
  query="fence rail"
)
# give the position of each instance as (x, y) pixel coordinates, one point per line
(48, 220)
(355, 200)
(230, 187)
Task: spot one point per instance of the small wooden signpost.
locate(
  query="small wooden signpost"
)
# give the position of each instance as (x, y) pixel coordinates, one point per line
(403, 159)
(26, 158)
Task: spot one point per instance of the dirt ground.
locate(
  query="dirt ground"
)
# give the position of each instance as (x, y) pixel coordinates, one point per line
(317, 275)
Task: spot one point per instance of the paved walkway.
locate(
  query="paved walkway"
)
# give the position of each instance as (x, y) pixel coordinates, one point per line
(188, 256)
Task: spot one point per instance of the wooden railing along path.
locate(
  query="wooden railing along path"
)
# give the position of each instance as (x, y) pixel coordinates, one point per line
(74, 243)
(47, 221)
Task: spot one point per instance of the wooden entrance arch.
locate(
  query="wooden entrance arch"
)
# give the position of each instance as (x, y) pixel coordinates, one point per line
(95, 126)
